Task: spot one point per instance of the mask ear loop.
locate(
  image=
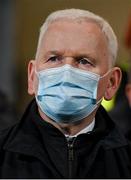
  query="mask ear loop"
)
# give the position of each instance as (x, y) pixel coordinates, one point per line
(100, 100)
(36, 72)
(110, 70)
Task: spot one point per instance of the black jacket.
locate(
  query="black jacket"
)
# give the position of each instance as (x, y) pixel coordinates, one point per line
(35, 149)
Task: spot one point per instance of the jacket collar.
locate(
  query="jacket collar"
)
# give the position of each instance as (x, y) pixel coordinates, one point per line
(113, 138)
(25, 137)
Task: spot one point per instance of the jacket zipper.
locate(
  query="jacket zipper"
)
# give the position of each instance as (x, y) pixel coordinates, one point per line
(70, 156)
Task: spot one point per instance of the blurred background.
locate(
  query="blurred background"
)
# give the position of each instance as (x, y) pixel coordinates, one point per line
(20, 21)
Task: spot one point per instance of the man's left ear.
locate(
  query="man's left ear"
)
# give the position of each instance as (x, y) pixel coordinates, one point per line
(113, 83)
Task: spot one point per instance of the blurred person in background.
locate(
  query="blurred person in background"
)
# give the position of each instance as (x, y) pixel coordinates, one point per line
(121, 113)
(65, 132)
(127, 38)
(128, 95)
(8, 85)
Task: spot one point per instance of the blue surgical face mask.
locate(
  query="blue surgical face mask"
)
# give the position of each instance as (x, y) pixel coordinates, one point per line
(67, 94)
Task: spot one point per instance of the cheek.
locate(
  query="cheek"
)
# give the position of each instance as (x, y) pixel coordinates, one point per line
(35, 85)
(102, 85)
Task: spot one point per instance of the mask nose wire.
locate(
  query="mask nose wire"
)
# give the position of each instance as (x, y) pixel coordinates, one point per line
(110, 70)
(37, 76)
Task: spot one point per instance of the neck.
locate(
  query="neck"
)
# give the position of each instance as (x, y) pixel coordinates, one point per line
(70, 129)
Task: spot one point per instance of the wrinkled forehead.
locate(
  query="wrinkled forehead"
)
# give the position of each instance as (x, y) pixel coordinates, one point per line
(78, 34)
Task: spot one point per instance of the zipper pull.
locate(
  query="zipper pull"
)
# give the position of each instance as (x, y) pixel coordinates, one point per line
(70, 144)
(70, 148)
(71, 154)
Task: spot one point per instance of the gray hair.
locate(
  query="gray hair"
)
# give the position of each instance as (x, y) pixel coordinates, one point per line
(77, 15)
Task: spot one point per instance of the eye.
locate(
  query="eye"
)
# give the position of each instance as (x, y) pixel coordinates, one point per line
(55, 58)
(85, 61)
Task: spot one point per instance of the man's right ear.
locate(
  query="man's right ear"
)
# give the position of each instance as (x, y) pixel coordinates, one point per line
(31, 77)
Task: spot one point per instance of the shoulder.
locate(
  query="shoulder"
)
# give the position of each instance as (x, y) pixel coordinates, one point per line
(113, 137)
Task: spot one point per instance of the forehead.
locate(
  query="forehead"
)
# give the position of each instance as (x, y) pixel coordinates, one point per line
(68, 35)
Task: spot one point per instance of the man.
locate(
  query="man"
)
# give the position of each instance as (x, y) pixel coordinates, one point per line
(65, 133)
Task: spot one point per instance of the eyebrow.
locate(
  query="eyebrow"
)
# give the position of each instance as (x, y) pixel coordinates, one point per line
(56, 52)
(76, 56)
(62, 52)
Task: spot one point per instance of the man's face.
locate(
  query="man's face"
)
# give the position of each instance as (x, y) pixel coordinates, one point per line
(81, 45)
(66, 42)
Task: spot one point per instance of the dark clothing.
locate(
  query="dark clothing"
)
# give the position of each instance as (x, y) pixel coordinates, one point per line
(121, 115)
(35, 149)
(7, 112)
